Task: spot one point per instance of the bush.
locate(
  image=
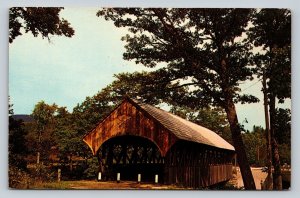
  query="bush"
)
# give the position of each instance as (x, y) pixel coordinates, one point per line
(285, 153)
(18, 178)
(92, 169)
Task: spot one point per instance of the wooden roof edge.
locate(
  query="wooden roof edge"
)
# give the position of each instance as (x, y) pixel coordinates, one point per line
(94, 153)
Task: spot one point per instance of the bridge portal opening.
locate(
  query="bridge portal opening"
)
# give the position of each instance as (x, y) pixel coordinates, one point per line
(130, 155)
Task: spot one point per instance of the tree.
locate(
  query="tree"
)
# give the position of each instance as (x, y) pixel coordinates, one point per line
(17, 151)
(16, 147)
(39, 21)
(71, 127)
(65, 136)
(283, 126)
(283, 134)
(272, 31)
(204, 54)
(43, 114)
(255, 144)
(87, 114)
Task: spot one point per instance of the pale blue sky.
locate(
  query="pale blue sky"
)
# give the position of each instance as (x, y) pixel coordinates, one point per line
(66, 70)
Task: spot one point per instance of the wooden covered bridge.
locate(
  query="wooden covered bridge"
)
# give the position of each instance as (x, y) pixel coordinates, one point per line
(137, 138)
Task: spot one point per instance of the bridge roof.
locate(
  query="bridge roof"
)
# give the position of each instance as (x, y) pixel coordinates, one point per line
(184, 129)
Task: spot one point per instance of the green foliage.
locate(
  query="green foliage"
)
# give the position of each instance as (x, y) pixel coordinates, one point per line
(45, 173)
(65, 136)
(194, 43)
(271, 30)
(283, 134)
(271, 27)
(84, 118)
(92, 168)
(86, 115)
(255, 144)
(56, 128)
(43, 113)
(285, 153)
(17, 149)
(18, 178)
(44, 116)
(136, 85)
(279, 73)
(283, 126)
(16, 142)
(38, 21)
(31, 139)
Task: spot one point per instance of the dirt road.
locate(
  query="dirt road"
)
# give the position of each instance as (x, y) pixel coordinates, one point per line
(258, 176)
(121, 185)
(88, 184)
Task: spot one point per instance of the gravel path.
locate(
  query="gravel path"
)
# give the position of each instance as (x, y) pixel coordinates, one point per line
(115, 185)
(258, 176)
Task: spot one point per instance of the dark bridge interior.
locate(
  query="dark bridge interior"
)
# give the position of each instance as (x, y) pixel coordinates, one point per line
(130, 155)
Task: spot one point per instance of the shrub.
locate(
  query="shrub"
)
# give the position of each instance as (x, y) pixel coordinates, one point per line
(18, 178)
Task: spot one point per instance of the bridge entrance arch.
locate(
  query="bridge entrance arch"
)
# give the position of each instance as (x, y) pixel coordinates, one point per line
(130, 155)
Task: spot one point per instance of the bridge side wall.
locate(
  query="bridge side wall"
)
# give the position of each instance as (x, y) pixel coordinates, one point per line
(197, 166)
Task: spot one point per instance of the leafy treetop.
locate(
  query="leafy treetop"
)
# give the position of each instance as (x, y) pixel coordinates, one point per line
(39, 21)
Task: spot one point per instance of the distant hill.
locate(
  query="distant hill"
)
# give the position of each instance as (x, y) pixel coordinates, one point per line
(24, 117)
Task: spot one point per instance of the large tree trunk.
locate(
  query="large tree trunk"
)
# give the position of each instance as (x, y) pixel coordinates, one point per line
(269, 179)
(277, 178)
(239, 146)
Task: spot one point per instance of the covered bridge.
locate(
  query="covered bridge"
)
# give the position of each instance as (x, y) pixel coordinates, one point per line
(137, 138)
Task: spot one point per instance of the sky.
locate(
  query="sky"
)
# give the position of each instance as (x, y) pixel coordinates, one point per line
(67, 70)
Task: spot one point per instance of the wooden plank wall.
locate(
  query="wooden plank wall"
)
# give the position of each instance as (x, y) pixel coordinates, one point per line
(195, 166)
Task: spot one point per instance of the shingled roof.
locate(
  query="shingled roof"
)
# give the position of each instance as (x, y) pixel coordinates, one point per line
(184, 129)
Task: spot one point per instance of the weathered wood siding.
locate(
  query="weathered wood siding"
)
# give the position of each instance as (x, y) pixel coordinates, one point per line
(193, 165)
(128, 119)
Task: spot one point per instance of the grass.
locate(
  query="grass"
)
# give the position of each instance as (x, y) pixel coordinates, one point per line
(53, 185)
(91, 184)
